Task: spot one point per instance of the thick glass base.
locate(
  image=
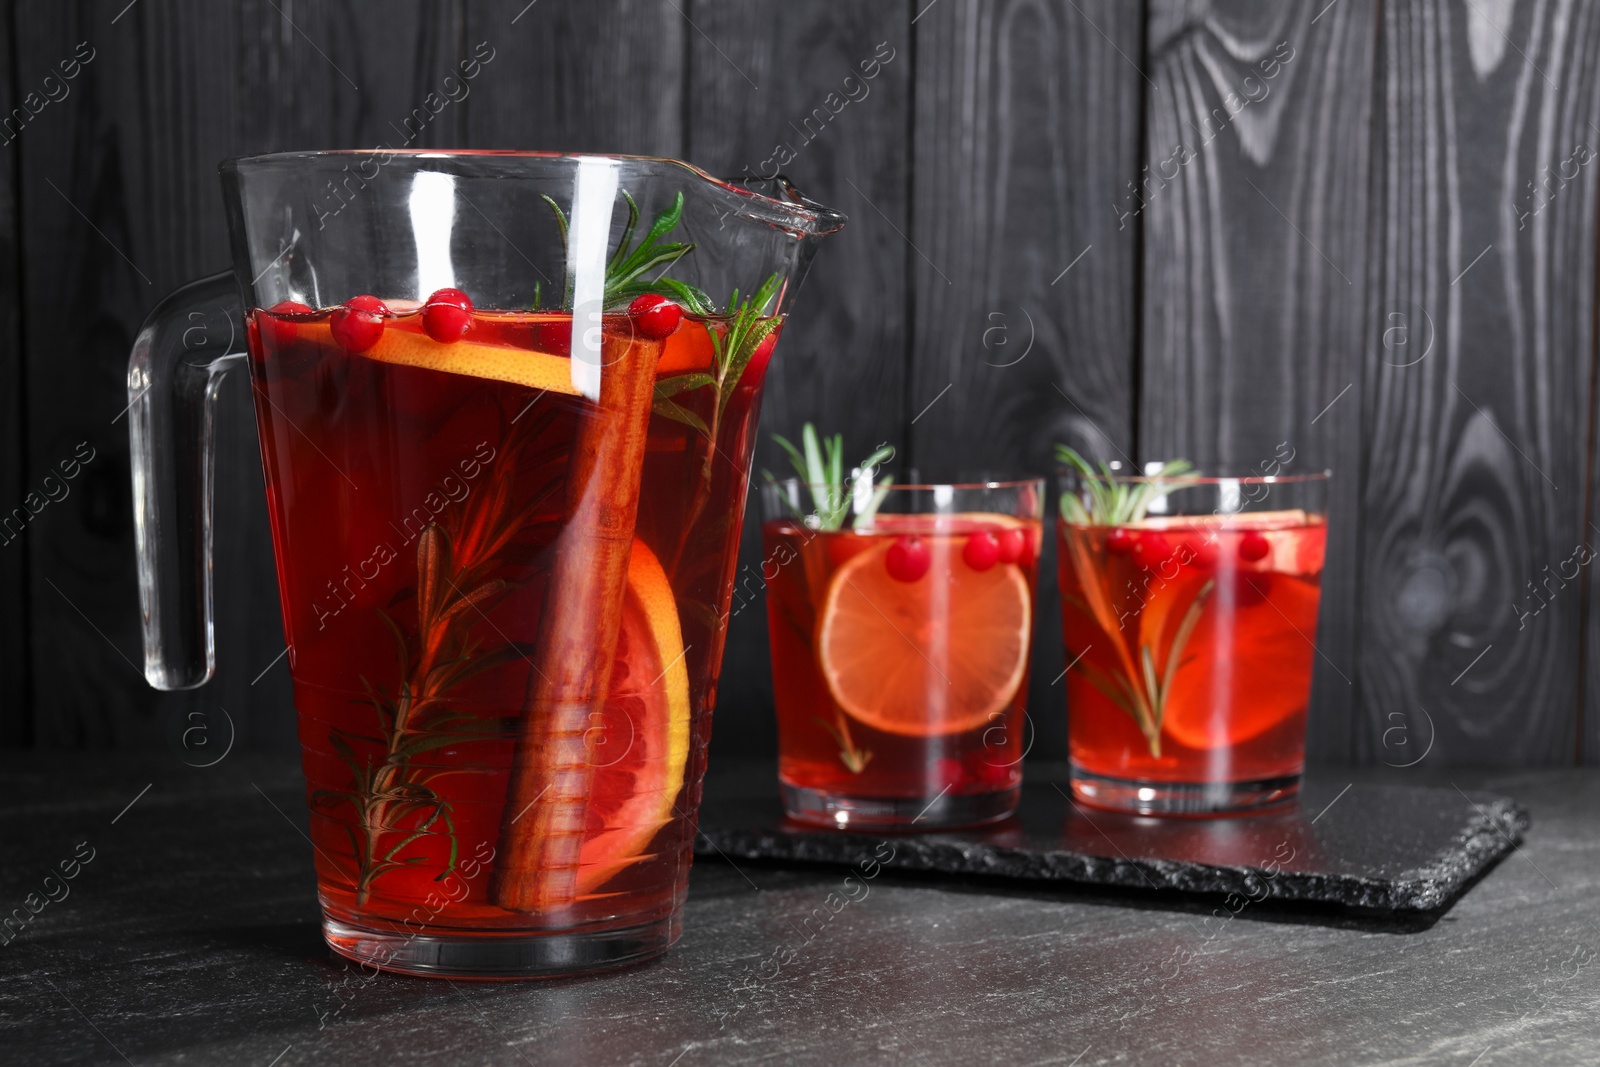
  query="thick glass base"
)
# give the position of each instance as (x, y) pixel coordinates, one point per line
(842, 811)
(496, 955)
(1182, 798)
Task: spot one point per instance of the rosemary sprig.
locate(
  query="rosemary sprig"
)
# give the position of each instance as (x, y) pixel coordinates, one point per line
(733, 343)
(1115, 501)
(397, 802)
(854, 759)
(832, 493)
(625, 272)
(1144, 684)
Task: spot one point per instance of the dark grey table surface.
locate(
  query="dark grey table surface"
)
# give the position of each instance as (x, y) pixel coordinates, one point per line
(191, 937)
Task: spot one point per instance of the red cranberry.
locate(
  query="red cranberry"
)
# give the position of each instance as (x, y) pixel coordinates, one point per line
(756, 370)
(1206, 554)
(908, 559)
(1254, 547)
(1013, 545)
(281, 332)
(655, 317)
(988, 764)
(446, 315)
(359, 323)
(1251, 588)
(1151, 549)
(948, 772)
(1120, 542)
(981, 551)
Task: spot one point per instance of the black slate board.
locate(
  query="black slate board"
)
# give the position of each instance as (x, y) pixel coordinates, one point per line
(1357, 845)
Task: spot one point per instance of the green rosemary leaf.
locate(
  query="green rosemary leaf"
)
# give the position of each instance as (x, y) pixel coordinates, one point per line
(561, 216)
(1191, 619)
(627, 232)
(671, 409)
(816, 470)
(880, 493)
(682, 383)
(691, 297)
(1115, 500)
(798, 460)
(819, 463)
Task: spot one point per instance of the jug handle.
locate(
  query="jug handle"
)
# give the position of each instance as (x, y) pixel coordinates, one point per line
(185, 348)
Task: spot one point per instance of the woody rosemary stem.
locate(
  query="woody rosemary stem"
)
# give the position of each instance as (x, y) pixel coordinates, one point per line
(541, 835)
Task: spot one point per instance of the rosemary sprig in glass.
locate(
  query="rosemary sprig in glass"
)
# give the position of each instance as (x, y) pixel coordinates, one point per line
(1143, 685)
(820, 465)
(733, 343)
(1113, 500)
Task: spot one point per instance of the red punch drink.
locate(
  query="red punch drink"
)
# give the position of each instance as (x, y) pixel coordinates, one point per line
(900, 658)
(420, 496)
(1190, 644)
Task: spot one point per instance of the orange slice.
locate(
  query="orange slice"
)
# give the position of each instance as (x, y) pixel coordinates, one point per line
(1261, 681)
(940, 655)
(642, 741)
(520, 366)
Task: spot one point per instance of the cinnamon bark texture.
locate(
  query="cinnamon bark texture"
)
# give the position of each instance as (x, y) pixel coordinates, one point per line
(541, 834)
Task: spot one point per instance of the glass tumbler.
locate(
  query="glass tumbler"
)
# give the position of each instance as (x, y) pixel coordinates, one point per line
(1189, 612)
(900, 628)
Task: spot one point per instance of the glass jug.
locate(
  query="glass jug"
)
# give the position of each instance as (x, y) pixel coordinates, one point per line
(506, 405)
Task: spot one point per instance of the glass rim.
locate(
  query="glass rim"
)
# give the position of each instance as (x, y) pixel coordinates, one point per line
(1006, 483)
(1179, 482)
(797, 210)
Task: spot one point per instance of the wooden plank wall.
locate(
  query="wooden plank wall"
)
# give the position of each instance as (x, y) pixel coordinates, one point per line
(1023, 278)
(1476, 471)
(1147, 229)
(1254, 202)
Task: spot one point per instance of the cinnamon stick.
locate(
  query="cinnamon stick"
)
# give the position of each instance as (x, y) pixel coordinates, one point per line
(542, 830)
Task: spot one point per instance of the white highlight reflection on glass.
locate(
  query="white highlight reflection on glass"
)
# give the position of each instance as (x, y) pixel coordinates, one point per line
(1231, 498)
(433, 216)
(588, 238)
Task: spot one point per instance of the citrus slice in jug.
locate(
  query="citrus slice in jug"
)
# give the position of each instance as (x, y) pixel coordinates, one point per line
(641, 741)
(408, 347)
(934, 656)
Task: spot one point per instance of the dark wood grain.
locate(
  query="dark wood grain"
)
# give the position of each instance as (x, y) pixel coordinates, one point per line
(1027, 123)
(1255, 214)
(579, 76)
(783, 86)
(1476, 472)
(16, 715)
(1354, 263)
(121, 205)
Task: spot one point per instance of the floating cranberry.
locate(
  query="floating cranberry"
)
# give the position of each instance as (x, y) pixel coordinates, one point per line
(655, 317)
(981, 551)
(991, 763)
(1120, 542)
(1206, 554)
(284, 333)
(359, 323)
(762, 356)
(908, 559)
(1013, 545)
(949, 772)
(1251, 588)
(446, 315)
(1254, 547)
(1151, 549)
